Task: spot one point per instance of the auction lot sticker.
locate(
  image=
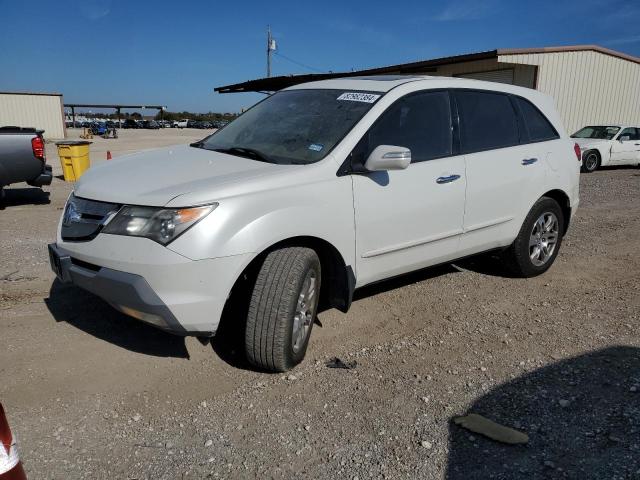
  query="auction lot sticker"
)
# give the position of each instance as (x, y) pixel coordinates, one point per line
(359, 97)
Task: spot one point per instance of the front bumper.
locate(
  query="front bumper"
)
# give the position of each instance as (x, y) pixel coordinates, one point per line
(178, 295)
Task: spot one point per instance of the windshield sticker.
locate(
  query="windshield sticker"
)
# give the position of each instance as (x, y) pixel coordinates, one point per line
(359, 97)
(316, 147)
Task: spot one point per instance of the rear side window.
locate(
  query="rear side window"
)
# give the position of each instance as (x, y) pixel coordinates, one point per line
(420, 122)
(487, 121)
(536, 124)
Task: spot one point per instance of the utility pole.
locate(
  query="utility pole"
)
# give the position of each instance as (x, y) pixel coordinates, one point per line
(271, 46)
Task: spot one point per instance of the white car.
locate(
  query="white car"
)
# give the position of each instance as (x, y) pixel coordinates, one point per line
(605, 145)
(316, 191)
(181, 123)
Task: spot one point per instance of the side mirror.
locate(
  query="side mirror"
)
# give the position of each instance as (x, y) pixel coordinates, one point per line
(624, 138)
(388, 157)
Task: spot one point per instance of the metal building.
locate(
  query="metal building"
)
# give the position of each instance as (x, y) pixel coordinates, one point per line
(590, 84)
(43, 111)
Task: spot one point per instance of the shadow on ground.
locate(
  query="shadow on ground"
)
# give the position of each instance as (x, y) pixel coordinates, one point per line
(229, 340)
(595, 435)
(92, 315)
(15, 197)
(489, 263)
(402, 281)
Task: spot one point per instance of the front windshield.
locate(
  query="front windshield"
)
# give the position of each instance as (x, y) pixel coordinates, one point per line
(599, 132)
(293, 126)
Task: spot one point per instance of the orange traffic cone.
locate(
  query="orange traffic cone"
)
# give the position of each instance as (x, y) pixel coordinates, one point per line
(10, 466)
(108, 155)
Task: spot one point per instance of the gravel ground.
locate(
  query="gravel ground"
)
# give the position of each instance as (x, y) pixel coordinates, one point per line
(93, 394)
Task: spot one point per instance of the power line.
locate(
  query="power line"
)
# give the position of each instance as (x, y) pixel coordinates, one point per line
(308, 67)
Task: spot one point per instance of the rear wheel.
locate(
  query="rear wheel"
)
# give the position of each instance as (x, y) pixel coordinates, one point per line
(282, 308)
(538, 242)
(590, 161)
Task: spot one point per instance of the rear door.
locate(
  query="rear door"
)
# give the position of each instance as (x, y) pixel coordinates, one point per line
(625, 149)
(409, 219)
(504, 171)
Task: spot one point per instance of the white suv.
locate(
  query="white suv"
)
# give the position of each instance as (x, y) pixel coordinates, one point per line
(316, 191)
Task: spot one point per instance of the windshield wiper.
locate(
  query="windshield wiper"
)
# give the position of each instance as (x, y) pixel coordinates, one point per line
(245, 152)
(197, 144)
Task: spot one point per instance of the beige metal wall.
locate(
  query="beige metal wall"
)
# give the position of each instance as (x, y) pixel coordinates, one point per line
(589, 87)
(43, 112)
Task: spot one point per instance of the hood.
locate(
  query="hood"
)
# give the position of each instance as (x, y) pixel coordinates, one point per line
(155, 177)
(590, 142)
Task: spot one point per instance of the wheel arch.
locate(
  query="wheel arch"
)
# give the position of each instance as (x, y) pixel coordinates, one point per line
(565, 205)
(603, 156)
(338, 278)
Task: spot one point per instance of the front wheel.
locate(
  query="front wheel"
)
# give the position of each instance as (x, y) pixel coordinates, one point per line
(282, 308)
(536, 247)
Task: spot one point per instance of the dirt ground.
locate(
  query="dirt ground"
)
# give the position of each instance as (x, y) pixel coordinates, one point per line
(91, 393)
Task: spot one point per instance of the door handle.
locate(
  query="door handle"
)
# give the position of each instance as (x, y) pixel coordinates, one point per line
(529, 161)
(449, 179)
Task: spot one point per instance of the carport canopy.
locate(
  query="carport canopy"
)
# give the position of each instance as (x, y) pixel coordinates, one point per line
(117, 108)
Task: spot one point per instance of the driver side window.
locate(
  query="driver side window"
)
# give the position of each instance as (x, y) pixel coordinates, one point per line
(420, 122)
(631, 132)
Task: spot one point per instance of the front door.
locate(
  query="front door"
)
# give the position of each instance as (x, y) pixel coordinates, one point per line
(625, 149)
(409, 219)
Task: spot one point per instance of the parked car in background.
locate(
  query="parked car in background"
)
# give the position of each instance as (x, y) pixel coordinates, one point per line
(150, 125)
(130, 123)
(182, 124)
(604, 145)
(23, 157)
(320, 189)
(99, 128)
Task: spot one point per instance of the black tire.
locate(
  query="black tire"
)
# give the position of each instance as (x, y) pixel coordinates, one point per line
(272, 307)
(590, 161)
(517, 258)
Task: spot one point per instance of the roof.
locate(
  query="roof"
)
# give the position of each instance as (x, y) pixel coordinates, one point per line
(111, 105)
(373, 83)
(569, 48)
(32, 93)
(271, 84)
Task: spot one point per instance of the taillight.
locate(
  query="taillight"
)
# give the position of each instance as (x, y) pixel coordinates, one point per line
(37, 144)
(576, 148)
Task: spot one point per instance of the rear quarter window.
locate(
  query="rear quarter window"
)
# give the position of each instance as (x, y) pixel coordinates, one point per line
(538, 128)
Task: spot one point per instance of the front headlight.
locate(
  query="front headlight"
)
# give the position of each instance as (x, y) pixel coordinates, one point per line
(161, 225)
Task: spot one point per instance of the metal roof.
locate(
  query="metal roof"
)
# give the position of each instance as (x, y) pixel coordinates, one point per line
(569, 48)
(115, 105)
(32, 93)
(271, 84)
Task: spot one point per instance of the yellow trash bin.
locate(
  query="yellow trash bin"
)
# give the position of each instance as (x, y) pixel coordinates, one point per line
(74, 158)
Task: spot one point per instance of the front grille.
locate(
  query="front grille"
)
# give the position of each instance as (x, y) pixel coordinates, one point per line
(83, 219)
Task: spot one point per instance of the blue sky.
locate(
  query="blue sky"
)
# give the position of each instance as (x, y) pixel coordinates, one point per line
(176, 52)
